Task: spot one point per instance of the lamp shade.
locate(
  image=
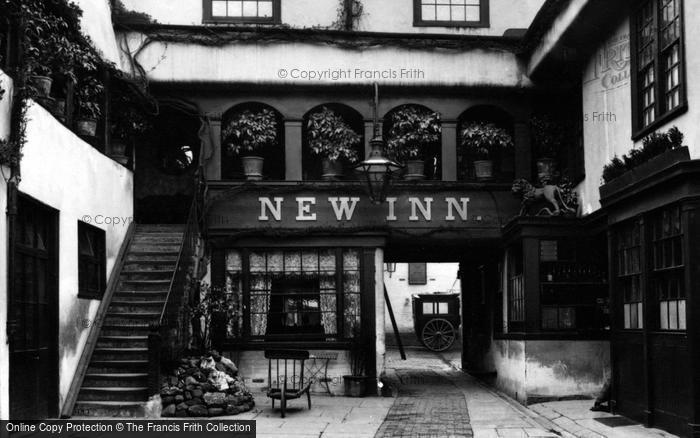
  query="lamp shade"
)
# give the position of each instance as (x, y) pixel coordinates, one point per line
(377, 171)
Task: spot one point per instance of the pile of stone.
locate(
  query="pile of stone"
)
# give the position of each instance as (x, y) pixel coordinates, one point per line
(204, 386)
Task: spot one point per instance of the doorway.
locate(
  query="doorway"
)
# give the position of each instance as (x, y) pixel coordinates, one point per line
(33, 312)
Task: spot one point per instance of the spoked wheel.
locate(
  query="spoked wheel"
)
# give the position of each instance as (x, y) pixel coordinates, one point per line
(438, 334)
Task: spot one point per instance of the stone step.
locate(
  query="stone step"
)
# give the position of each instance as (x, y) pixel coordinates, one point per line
(109, 409)
(147, 274)
(146, 239)
(115, 379)
(112, 353)
(131, 319)
(148, 265)
(158, 227)
(140, 295)
(117, 366)
(151, 257)
(144, 285)
(113, 393)
(158, 248)
(119, 306)
(122, 342)
(139, 328)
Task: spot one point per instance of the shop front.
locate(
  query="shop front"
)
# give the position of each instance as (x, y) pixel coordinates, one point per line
(302, 265)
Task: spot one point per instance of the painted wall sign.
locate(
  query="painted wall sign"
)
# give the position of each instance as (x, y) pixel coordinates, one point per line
(485, 209)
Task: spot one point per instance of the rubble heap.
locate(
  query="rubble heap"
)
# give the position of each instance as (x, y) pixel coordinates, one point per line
(204, 386)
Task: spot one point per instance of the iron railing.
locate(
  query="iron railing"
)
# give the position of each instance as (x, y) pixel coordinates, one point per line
(169, 337)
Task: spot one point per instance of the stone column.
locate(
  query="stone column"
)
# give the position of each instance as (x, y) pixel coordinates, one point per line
(292, 150)
(449, 150)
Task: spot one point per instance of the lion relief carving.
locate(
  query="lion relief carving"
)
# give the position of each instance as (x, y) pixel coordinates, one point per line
(550, 194)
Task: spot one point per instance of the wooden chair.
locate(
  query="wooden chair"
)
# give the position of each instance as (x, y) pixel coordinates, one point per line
(288, 385)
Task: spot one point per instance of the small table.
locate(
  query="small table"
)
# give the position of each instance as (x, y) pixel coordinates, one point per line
(318, 364)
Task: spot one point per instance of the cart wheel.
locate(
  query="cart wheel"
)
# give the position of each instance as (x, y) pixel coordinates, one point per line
(438, 334)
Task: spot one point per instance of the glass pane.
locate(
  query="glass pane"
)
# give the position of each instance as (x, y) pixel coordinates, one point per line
(351, 282)
(351, 259)
(292, 261)
(250, 8)
(567, 317)
(327, 283)
(673, 315)
(218, 8)
(428, 13)
(257, 262)
(235, 9)
(681, 315)
(442, 308)
(309, 261)
(628, 316)
(549, 318)
(427, 308)
(327, 260)
(663, 315)
(640, 316)
(233, 261)
(265, 9)
(443, 13)
(473, 13)
(259, 282)
(275, 262)
(328, 314)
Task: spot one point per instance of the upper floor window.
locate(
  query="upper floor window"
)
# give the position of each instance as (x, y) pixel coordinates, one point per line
(247, 11)
(467, 13)
(658, 69)
(91, 261)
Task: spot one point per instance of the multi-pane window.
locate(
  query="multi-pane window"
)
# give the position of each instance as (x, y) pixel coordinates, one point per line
(451, 12)
(91, 261)
(310, 293)
(516, 287)
(242, 11)
(629, 274)
(667, 276)
(659, 60)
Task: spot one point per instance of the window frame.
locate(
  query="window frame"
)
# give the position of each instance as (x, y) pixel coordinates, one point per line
(208, 18)
(418, 20)
(661, 118)
(100, 237)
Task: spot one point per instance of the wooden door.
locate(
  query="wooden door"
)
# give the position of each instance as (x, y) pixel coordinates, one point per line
(33, 313)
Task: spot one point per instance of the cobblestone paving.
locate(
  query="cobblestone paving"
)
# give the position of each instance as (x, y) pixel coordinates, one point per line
(428, 405)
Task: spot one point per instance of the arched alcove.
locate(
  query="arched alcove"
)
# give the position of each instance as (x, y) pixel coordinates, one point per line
(432, 154)
(311, 164)
(504, 161)
(274, 154)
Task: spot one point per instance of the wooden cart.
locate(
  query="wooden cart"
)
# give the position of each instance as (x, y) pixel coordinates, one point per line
(436, 319)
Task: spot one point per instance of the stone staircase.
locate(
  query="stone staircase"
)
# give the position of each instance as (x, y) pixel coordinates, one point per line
(116, 381)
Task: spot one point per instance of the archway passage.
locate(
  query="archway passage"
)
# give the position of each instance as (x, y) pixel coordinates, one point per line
(167, 160)
(311, 164)
(273, 153)
(504, 161)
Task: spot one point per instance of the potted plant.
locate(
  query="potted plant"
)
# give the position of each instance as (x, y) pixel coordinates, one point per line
(88, 96)
(483, 140)
(356, 382)
(247, 134)
(412, 130)
(128, 122)
(549, 137)
(333, 140)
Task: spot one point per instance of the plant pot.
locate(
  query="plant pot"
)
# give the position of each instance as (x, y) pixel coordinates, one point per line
(415, 170)
(253, 168)
(355, 386)
(483, 170)
(331, 170)
(118, 153)
(48, 103)
(59, 109)
(545, 169)
(43, 84)
(86, 127)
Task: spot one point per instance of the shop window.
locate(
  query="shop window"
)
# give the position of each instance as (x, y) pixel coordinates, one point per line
(658, 57)
(516, 289)
(462, 13)
(273, 153)
(629, 273)
(91, 261)
(417, 273)
(246, 11)
(294, 294)
(667, 276)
